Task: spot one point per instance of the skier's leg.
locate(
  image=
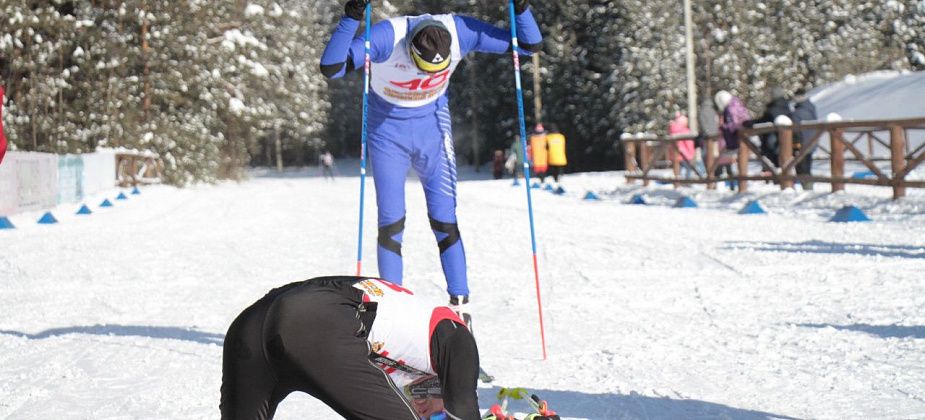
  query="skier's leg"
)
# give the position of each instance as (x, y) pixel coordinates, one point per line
(456, 360)
(390, 160)
(324, 353)
(435, 163)
(250, 388)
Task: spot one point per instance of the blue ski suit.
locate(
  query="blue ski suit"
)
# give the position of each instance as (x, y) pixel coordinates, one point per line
(409, 125)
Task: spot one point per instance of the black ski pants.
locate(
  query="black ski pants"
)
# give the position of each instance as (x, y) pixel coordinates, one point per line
(306, 337)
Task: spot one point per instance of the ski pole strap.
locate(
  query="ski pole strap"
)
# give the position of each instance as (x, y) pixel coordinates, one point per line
(392, 363)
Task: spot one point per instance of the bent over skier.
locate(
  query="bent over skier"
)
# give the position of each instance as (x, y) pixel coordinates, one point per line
(367, 348)
(409, 126)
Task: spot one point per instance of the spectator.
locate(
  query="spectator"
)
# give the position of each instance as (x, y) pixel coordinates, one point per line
(770, 144)
(2, 136)
(678, 126)
(327, 164)
(804, 110)
(515, 160)
(557, 158)
(709, 128)
(539, 157)
(734, 115)
(497, 164)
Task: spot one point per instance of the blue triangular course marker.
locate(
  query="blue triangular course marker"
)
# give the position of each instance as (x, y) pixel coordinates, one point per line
(121, 196)
(84, 210)
(136, 191)
(686, 203)
(5, 223)
(638, 199)
(106, 203)
(591, 196)
(516, 183)
(753, 207)
(48, 219)
(849, 214)
(548, 187)
(863, 175)
(536, 185)
(559, 191)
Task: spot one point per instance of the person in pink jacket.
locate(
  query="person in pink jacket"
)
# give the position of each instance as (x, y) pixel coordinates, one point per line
(2, 137)
(679, 125)
(734, 115)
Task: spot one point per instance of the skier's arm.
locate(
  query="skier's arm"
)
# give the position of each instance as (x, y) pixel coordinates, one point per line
(345, 53)
(476, 35)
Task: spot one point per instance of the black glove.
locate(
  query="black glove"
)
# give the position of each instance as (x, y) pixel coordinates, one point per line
(521, 6)
(355, 9)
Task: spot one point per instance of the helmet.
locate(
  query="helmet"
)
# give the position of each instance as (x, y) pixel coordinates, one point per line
(429, 46)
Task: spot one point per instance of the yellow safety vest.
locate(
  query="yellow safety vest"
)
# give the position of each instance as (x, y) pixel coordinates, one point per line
(556, 142)
(538, 151)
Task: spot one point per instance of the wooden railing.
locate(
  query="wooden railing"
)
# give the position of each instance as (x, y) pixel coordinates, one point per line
(643, 153)
(134, 168)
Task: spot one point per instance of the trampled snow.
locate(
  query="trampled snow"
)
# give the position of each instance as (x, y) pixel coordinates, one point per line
(651, 312)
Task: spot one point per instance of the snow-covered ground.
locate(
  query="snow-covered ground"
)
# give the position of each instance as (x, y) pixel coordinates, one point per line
(651, 312)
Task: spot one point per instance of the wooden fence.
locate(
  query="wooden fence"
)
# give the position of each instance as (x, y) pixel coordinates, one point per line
(643, 154)
(134, 168)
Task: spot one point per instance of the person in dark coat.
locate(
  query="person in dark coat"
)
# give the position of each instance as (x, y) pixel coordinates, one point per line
(770, 144)
(804, 111)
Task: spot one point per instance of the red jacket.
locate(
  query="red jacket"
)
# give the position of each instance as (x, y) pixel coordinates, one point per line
(2, 136)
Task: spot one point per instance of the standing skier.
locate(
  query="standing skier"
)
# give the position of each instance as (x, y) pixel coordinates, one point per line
(367, 348)
(409, 126)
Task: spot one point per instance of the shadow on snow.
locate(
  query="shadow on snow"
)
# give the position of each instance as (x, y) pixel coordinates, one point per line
(883, 331)
(566, 403)
(171, 333)
(633, 406)
(821, 247)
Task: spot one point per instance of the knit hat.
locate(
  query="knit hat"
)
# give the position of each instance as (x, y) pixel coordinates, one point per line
(430, 46)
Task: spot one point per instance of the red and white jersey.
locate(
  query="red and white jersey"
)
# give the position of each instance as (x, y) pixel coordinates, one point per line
(402, 328)
(398, 80)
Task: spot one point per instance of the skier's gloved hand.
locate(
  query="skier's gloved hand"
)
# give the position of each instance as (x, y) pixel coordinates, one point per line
(355, 9)
(521, 6)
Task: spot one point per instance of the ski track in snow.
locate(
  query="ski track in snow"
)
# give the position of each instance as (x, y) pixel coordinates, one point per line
(650, 312)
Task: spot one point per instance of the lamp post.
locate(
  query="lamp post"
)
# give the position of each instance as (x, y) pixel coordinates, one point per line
(691, 83)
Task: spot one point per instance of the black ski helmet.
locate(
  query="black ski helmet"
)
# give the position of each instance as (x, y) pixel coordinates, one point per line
(429, 46)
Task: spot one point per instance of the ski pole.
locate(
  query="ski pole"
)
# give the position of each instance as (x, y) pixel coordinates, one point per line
(369, 12)
(523, 145)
